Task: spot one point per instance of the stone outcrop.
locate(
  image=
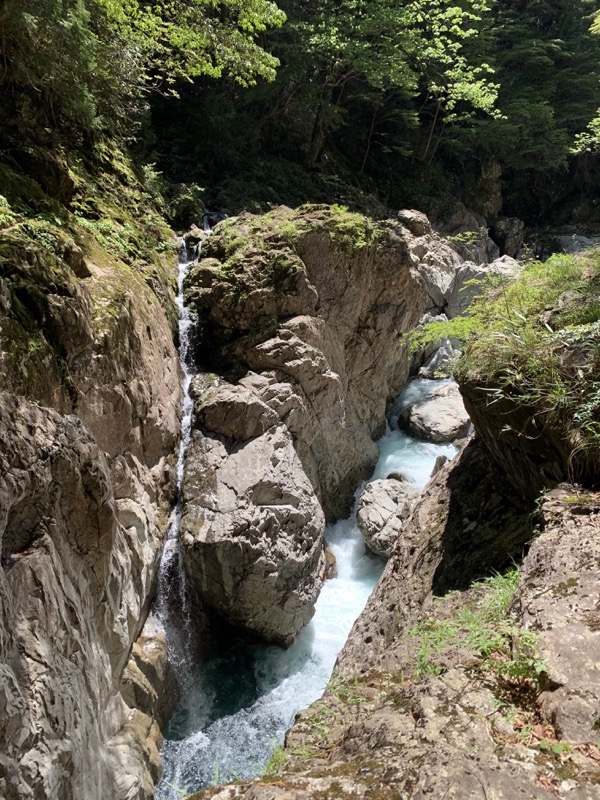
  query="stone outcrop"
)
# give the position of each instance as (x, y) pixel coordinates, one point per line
(68, 610)
(86, 488)
(559, 600)
(252, 527)
(467, 230)
(382, 512)
(509, 235)
(465, 523)
(302, 315)
(440, 419)
(307, 309)
(533, 453)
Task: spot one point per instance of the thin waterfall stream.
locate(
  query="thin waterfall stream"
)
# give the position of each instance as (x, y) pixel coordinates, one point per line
(170, 606)
(239, 702)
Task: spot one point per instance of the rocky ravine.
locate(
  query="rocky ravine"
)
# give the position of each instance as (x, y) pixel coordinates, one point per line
(303, 316)
(416, 709)
(89, 419)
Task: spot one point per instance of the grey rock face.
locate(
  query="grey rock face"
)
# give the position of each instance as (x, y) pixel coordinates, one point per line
(467, 230)
(84, 506)
(397, 728)
(438, 363)
(470, 279)
(309, 316)
(67, 615)
(451, 537)
(384, 507)
(559, 600)
(252, 528)
(440, 419)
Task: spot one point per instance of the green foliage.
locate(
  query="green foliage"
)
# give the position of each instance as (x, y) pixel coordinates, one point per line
(353, 230)
(90, 61)
(548, 65)
(536, 340)
(485, 627)
(7, 215)
(276, 762)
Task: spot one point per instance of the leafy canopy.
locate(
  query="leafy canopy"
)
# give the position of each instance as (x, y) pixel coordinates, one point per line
(91, 61)
(413, 45)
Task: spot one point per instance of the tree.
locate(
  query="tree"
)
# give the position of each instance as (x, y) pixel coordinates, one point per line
(91, 61)
(414, 47)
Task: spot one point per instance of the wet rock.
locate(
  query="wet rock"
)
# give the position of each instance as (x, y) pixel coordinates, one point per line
(149, 682)
(384, 507)
(440, 419)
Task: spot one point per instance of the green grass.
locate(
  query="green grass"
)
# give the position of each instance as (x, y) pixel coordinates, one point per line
(483, 626)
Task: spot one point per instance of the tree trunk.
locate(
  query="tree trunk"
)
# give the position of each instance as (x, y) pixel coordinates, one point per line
(317, 138)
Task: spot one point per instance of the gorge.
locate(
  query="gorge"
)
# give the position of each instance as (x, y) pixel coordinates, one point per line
(376, 368)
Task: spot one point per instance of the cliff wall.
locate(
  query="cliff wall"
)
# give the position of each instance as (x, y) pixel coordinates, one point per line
(89, 416)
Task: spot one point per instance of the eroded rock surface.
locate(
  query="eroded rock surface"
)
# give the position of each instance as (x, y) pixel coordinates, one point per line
(87, 486)
(431, 715)
(559, 599)
(67, 611)
(307, 309)
(465, 522)
(252, 527)
(384, 507)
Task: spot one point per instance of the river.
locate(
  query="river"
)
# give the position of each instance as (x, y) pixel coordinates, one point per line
(239, 702)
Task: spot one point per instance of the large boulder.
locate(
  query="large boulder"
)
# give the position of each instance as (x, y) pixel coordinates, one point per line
(440, 419)
(252, 527)
(383, 509)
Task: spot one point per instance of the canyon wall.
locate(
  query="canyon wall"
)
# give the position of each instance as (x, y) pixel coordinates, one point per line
(89, 420)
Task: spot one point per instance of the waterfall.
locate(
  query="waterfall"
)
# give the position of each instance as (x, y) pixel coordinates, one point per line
(240, 701)
(172, 607)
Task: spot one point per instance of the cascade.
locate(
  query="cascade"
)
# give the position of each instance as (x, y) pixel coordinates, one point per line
(171, 606)
(239, 702)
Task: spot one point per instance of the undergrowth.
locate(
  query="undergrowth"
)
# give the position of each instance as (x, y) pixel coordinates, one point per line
(535, 339)
(484, 626)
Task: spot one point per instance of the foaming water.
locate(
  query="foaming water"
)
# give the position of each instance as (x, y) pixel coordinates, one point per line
(241, 701)
(171, 607)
